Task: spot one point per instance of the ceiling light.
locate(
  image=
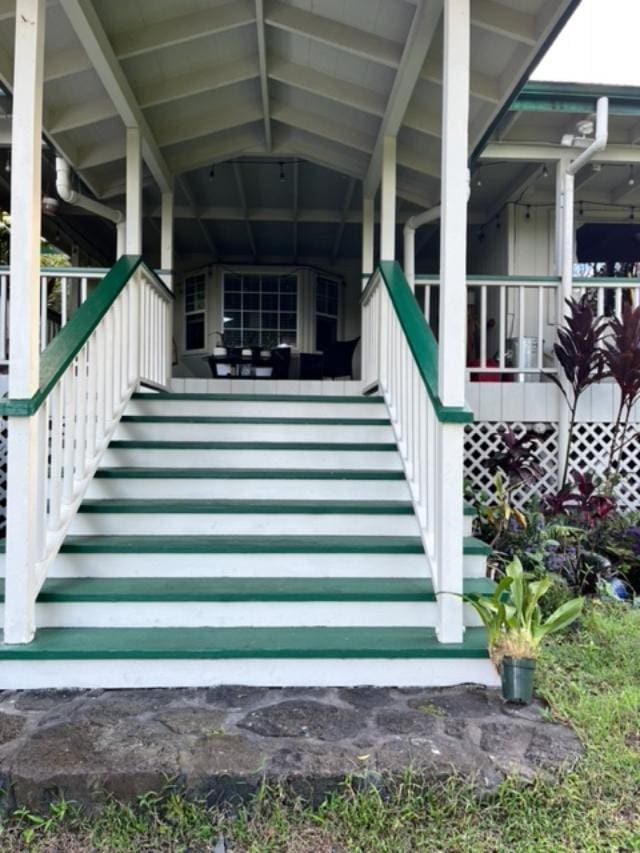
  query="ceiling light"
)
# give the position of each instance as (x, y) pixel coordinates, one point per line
(281, 171)
(632, 215)
(528, 213)
(212, 173)
(631, 180)
(585, 127)
(545, 171)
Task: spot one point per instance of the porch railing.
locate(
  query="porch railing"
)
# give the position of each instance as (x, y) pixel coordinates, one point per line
(118, 339)
(512, 320)
(62, 291)
(400, 355)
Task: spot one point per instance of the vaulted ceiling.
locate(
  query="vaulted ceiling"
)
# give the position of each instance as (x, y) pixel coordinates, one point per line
(314, 84)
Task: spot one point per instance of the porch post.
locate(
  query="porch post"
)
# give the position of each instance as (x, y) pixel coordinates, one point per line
(26, 457)
(133, 238)
(121, 238)
(166, 239)
(388, 200)
(451, 380)
(368, 219)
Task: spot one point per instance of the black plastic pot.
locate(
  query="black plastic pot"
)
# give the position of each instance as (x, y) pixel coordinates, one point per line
(517, 679)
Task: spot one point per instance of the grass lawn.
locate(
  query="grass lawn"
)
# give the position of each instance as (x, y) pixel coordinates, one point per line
(591, 679)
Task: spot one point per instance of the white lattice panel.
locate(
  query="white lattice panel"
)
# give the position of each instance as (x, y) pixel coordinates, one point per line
(589, 453)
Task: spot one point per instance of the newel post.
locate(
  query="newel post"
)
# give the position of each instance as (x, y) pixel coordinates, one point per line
(27, 452)
(453, 241)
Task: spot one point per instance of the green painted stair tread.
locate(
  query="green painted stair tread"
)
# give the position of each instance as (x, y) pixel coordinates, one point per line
(179, 589)
(233, 506)
(475, 546)
(469, 509)
(254, 445)
(259, 398)
(248, 643)
(242, 545)
(247, 474)
(189, 419)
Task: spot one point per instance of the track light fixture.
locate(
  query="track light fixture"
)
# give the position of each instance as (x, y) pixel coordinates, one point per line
(632, 177)
(281, 164)
(212, 173)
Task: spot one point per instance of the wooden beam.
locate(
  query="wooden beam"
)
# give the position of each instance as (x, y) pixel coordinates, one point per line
(541, 152)
(353, 40)
(264, 80)
(326, 86)
(418, 42)
(504, 21)
(346, 204)
(89, 30)
(243, 202)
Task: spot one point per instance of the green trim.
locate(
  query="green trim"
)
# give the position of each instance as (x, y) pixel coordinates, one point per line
(245, 474)
(180, 589)
(420, 339)
(188, 419)
(66, 345)
(242, 545)
(163, 396)
(250, 445)
(576, 98)
(476, 547)
(57, 644)
(230, 506)
(551, 36)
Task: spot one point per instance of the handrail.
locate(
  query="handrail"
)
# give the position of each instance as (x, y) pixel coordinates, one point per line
(59, 354)
(420, 338)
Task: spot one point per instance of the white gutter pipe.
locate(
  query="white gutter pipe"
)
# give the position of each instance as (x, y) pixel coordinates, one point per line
(409, 232)
(63, 187)
(568, 229)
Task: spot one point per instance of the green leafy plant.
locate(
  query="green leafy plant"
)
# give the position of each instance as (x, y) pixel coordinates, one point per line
(513, 617)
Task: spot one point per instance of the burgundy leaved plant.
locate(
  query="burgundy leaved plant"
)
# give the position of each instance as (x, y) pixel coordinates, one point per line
(621, 354)
(517, 459)
(582, 502)
(579, 353)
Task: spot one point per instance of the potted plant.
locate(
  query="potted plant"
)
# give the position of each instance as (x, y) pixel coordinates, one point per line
(516, 628)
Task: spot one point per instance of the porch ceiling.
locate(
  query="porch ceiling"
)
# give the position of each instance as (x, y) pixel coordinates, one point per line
(317, 82)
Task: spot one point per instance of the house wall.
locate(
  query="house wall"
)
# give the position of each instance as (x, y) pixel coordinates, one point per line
(347, 271)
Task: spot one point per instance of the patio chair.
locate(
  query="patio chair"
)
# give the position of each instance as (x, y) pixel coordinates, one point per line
(338, 358)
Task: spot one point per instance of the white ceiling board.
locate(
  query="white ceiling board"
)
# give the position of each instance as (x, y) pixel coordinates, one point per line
(331, 111)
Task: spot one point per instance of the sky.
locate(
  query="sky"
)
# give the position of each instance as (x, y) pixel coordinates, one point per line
(599, 44)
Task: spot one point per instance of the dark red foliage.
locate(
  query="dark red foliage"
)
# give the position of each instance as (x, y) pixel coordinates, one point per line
(621, 353)
(580, 502)
(578, 347)
(517, 459)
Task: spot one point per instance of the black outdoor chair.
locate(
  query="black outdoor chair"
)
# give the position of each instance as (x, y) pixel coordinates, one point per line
(338, 358)
(281, 361)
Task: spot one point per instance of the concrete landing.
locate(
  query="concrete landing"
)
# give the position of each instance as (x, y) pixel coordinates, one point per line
(221, 742)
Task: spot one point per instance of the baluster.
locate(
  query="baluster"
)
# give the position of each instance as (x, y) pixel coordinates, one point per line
(101, 382)
(540, 327)
(601, 292)
(83, 289)
(92, 386)
(64, 306)
(618, 298)
(502, 326)
(43, 312)
(483, 325)
(4, 355)
(117, 356)
(81, 415)
(69, 407)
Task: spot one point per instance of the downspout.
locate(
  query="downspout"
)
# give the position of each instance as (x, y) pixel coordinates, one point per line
(598, 144)
(63, 187)
(409, 233)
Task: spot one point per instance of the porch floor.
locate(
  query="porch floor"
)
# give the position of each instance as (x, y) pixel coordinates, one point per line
(221, 742)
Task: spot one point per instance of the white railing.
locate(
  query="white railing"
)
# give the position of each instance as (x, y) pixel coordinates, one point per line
(512, 320)
(118, 341)
(65, 287)
(400, 357)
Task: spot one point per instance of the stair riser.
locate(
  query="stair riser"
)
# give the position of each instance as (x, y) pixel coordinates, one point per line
(250, 524)
(475, 566)
(468, 525)
(327, 433)
(236, 565)
(255, 409)
(274, 614)
(386, 460)
(116, 673)
(248, 489)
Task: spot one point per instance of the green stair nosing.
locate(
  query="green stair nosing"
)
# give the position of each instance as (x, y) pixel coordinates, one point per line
(197, 419)
(248, 474)
(230, 506)
(194, 544)
(469, 509)
(255, 445)
(258, 398)
(237, 590)
(477, 547)
(406, 643)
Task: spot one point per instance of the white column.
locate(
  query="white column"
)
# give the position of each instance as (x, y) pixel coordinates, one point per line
(388, 200)
(453, 241)
(133, 241)
(368, 221)
(454, 193)
(121, 238)
(409, 262)
(166, 239)
(25, 502)
(560, 168)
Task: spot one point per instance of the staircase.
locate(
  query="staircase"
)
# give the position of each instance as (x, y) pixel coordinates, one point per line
(260, 539)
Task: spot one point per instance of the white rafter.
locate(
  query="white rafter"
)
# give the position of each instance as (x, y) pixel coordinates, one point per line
(504, 21)
(264, 80)
(89, 30)
(207, 124)
(375, 48)
(207, 79)
(243, 202)
(481, 86)
(215, 149)
(418, 42)
(539, 152)
(525, 178)
(346, 204)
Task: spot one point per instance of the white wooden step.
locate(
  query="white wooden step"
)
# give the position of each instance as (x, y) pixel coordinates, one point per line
(157, 405)
(170, 430)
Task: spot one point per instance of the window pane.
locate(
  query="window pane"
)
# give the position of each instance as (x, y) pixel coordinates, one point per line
(194, 331)
(232, 282)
